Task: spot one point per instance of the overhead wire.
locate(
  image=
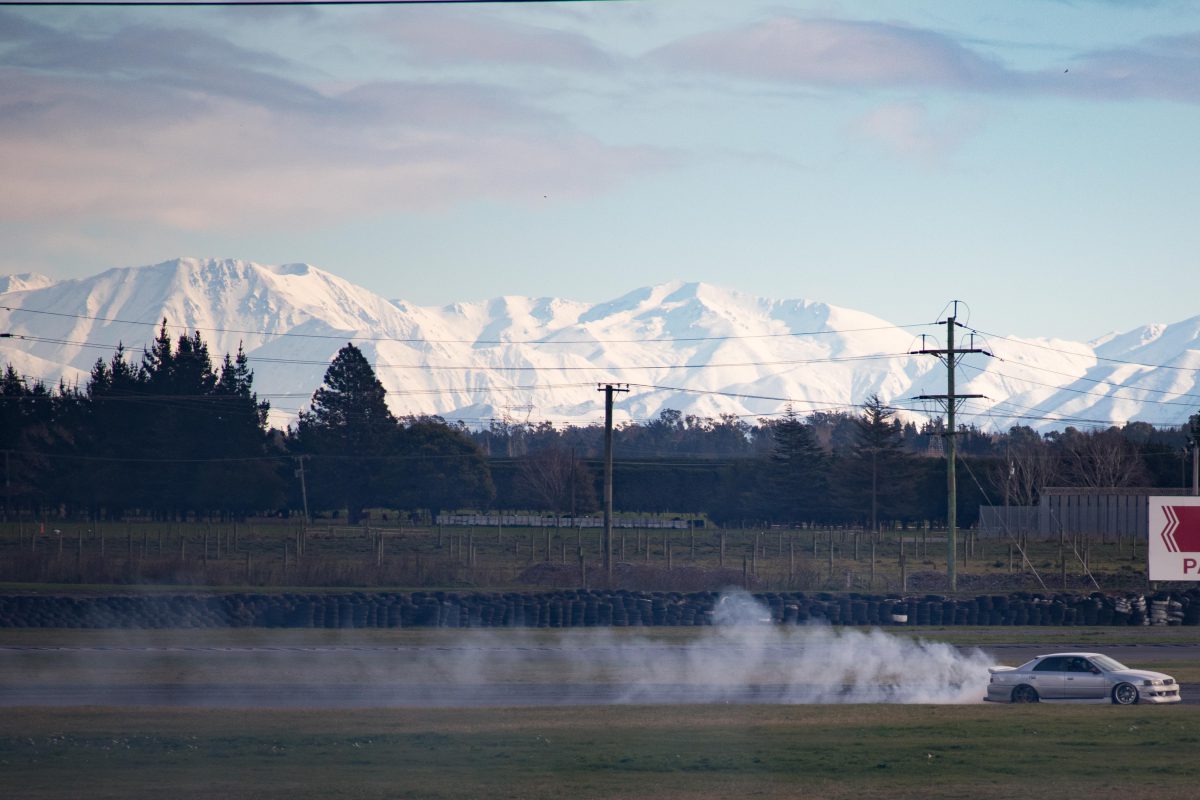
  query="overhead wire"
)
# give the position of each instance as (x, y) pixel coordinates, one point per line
(1077, 391)
(1091, 355)
(268, 3)
(341, 337)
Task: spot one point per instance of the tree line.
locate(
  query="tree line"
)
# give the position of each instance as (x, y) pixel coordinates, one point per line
(171, 435)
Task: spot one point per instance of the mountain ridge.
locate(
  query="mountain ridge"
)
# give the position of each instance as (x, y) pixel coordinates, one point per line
(733, 352)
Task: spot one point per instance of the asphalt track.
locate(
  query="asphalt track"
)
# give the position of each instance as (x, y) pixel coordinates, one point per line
(379, 693)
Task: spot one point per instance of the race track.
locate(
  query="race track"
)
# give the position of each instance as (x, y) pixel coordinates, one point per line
(365, 676)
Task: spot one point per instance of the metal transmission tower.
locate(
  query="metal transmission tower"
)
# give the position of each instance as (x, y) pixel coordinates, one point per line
(950, 401)
(608, 389)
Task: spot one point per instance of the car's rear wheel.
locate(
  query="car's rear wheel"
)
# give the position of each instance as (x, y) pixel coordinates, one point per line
(1124, 694)
(1024, 694)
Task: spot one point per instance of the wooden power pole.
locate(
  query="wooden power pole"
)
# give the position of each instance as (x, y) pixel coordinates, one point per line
(608, 389)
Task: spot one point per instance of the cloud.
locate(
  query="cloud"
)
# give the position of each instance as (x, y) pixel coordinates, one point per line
(188, 130)
(856, 55)
(836, 53)
(1163, 68)
(442, 39)
(909, 129)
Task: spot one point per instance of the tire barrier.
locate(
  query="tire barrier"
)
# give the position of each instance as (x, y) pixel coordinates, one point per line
(583, 608)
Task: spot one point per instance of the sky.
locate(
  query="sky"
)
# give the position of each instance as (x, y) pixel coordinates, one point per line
(1036, 159)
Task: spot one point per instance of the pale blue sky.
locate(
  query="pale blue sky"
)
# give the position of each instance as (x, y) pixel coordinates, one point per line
(1036, 159)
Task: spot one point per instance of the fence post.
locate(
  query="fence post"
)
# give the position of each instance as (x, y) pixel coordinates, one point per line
(872, 564)
(792, 560)
(831, 554)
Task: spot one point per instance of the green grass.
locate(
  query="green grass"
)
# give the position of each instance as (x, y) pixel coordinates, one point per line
(628, 752)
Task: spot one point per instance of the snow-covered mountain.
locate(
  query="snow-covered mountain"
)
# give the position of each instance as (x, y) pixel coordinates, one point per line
(694, 347)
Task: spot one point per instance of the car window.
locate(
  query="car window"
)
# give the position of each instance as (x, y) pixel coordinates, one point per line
(1079, 664)
(1110, 664)
(1051, 664)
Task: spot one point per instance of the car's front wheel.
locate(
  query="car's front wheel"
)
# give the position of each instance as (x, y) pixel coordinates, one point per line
(1124, 694)
(1024, 694)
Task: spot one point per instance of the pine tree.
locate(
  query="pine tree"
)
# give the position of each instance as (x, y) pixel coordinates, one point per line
(247, 480)
(797, 472)
(186, 438)
(876, 477)
(347, 431)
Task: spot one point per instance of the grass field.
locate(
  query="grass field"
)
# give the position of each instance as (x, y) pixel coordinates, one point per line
(615, 752)
(282, 553)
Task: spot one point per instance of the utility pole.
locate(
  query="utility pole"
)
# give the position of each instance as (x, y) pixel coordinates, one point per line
(303, 487)
(608, 389)
(950, 402)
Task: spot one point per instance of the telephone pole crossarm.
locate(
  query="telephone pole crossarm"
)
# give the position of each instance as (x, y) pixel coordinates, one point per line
(609, 389)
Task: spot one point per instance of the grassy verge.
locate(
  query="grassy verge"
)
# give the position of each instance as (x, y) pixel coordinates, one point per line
(629, 752)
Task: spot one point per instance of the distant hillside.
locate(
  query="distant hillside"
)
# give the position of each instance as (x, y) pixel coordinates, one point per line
(698, 348)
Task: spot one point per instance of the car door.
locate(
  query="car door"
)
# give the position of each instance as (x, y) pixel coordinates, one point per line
(1049, 676)
(1084, 680)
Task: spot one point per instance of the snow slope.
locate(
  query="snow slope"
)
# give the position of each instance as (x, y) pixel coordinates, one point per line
(694, 347)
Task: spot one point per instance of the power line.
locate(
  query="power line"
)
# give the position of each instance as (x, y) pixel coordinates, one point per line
(1084, 391)
(1043, 415)
(1096, 381)
(424, 340)
(260, 3)
(597, 368)
(520, 368)
(1082, 355)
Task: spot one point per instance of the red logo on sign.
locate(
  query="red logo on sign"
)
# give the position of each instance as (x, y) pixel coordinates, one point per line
(1182, 533)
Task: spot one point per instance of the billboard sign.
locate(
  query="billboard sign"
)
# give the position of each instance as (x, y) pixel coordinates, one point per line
(1174, 530)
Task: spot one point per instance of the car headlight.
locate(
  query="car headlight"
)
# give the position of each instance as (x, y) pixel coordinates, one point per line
(1154, 682)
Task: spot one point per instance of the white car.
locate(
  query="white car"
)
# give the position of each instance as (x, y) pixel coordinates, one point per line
(1079, 677)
